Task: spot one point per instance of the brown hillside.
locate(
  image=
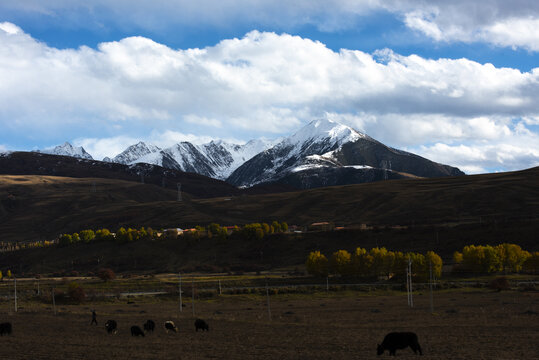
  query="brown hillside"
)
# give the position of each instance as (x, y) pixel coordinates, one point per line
(41, 207)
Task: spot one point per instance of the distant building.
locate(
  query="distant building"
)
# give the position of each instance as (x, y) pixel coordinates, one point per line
(174, 231)
(321, 226)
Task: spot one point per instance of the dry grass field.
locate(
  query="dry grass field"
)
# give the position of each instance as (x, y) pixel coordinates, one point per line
(467, 324)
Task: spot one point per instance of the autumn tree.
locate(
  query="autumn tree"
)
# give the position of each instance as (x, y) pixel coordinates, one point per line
(531, 264)
(340, 262)
(87, 235)
(317, 264)
(436, 261)
(65, 240)
(276, 226)
(361, 262)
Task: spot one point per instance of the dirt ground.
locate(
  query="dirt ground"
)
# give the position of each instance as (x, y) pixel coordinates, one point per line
(467, 324)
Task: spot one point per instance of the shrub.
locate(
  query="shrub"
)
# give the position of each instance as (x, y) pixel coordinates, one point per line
(106, 274)
(76, 292)
(499, 284)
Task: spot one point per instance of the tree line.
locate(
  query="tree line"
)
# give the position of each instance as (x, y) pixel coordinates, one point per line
(483, 259)
(254, 231)
(375, 262)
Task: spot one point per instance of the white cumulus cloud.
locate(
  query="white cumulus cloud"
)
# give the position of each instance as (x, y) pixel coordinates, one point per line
(261, 84)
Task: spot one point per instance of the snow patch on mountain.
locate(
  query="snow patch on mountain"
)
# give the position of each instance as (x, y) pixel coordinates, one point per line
(312, 146)
(135, 152)
(66, 149)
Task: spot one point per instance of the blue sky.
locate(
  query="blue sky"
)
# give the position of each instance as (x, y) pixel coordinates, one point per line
(456, 82)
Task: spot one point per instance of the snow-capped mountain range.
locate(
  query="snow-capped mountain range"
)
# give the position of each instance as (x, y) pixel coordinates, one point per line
(321, 153)
(216, 159)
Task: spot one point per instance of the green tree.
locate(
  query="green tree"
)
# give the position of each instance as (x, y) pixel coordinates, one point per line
(317, 264)
(1, 276)
(75, 238)
(103, 234)
(8, 274)
(276, 226)
(284, 227)
(87, 235)
(121, 235)
(65, 240)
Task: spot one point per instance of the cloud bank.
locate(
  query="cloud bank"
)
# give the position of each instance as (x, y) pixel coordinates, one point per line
(498, 22)
(266, 83)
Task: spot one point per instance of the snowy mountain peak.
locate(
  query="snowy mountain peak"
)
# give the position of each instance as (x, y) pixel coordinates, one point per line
(66, 149)
(134, 152)
(320, 129)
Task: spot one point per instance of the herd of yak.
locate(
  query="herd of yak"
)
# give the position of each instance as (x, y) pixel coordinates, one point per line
(392, 341)
(149, 326)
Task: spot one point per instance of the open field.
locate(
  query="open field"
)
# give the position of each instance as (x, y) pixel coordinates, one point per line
(467, 324)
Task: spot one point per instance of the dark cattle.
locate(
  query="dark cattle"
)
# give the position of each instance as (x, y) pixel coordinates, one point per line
(149, 326)
(399, 340)
(169, 326)
(201, 324)
(136, 331)
(5, 328)
(111, 326)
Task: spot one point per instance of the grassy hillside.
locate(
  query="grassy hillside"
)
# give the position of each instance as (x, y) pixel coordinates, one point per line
(435, 214)
(41, 207)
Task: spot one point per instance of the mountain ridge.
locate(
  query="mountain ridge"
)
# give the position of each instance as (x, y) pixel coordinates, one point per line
(321, 153)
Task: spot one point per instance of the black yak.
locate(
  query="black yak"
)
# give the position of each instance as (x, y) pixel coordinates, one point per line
(136, 331)
(5, 328)
(169, 326)
(149, 326)
(399, 340)
(111, 326)
(201, 324)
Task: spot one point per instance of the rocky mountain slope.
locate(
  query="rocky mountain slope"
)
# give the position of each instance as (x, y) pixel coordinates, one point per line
(328, 153)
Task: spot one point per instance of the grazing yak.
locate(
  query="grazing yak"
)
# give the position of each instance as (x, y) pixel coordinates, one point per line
(169, 326)
(149, 326)
(399, 340)
(111, 326)
(5, 328)
(136, 331)
(201, 324)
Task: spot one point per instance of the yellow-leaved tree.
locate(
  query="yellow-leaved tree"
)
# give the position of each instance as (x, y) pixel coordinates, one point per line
(341, 262)
(317, 264)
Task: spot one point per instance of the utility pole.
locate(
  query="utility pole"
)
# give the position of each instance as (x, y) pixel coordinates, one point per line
(53, 302)
(180, 290)
(409, 283)
(430, 286)
(193, 295)
(268, 300)
(15, 285)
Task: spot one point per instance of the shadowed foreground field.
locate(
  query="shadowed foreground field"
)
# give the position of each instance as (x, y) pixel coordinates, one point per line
(468, 324)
